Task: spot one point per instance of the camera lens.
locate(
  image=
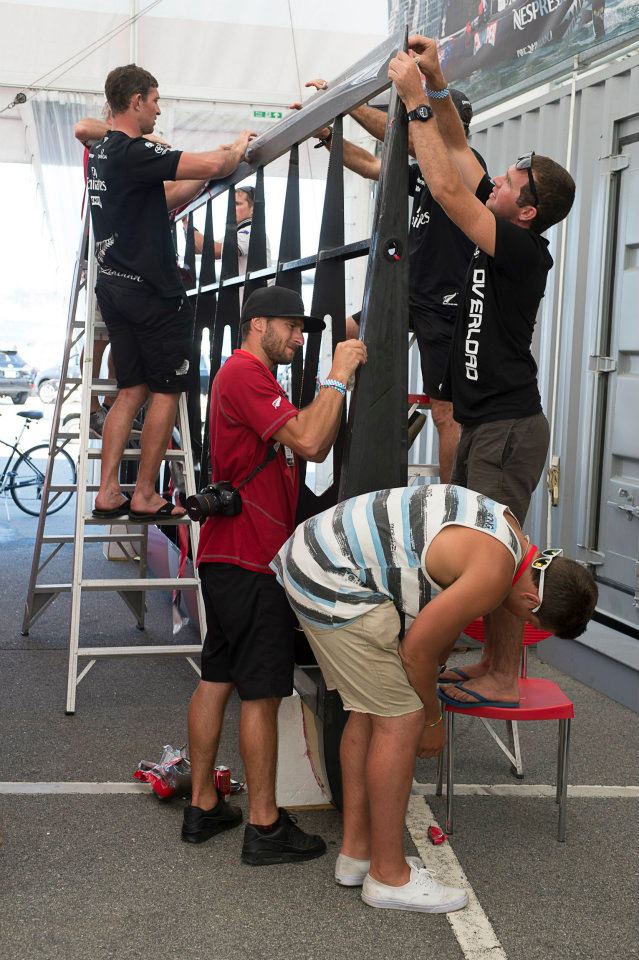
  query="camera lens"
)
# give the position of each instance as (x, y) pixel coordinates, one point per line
(202, 505)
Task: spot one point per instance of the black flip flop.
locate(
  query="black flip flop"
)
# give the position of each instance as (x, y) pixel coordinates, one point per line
(164, 513)
(113, 514)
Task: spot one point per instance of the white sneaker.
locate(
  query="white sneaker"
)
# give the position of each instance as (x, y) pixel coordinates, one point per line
(422, 893)
(351, 873)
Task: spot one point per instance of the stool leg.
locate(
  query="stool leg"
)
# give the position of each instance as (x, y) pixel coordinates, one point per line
(560, 748)
(450, 732)
(440, 774)
(562, 777)
(517, 768)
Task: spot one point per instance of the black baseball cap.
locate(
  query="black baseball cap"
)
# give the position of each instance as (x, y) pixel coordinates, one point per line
(463, 105)
(279, 302)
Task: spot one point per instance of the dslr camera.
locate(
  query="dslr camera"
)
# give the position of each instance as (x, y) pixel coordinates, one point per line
(221, 497)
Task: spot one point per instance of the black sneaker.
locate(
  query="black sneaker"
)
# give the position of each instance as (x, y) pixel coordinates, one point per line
(286, 843)
(199, 825)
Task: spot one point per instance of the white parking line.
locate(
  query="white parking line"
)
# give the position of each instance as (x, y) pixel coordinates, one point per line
(529, 790)
(74, 787)
(472, 928)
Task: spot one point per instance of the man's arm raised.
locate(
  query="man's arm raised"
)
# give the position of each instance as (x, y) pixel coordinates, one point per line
(200, 167)
(312, 433)
(438, 167)
(448, 119)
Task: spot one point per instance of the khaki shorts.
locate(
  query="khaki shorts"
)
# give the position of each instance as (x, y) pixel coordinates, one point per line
(362, 662)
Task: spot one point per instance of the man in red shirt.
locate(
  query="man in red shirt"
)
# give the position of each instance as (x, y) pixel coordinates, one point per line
(250, 636)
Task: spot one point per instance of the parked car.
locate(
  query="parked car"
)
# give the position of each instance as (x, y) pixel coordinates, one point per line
(47, 381)
(16, 376)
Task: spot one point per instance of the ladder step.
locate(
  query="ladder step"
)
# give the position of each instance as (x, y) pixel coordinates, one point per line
(181, 649)
(94, 537)
(97, 386)
(139, 585)
(80, 323)
(94, 453)
(91, 487)
(161, 521)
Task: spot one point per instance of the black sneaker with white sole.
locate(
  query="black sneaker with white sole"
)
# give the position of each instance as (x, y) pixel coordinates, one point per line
(284, 843)
(200, 825)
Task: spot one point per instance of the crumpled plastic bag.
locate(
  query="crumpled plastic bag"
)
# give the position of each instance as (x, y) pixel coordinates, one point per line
(170, 776)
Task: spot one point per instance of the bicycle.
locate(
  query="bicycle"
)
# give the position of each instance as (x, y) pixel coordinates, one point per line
(25, 479)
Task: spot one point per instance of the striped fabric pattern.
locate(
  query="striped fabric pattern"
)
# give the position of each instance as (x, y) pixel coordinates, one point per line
(341, 563)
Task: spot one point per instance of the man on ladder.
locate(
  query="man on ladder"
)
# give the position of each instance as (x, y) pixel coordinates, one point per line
(139, 290)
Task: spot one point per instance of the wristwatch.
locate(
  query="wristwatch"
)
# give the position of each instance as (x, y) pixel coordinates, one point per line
(423, 112)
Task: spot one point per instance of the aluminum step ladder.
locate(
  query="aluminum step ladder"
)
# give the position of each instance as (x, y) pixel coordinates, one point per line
(82, 325)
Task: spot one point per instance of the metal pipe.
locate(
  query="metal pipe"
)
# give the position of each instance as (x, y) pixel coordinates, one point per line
(450, 732)
(560, 297)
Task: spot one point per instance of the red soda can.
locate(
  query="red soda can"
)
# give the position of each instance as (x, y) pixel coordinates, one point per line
(223, 781)
(436, 835)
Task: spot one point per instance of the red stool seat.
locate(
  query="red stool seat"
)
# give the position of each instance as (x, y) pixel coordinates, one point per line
(538, 700)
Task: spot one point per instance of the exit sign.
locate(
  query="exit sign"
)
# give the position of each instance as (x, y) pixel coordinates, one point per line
(267, 114)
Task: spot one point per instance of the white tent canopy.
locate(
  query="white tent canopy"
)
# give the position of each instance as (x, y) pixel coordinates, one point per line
(221, 61)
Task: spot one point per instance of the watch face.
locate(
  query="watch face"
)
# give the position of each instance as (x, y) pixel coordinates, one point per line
(423, 112)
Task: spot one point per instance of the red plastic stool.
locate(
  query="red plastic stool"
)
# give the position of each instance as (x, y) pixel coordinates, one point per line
(539, 700)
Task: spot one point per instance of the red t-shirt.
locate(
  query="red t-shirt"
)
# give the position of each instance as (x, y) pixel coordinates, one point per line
(247, 407)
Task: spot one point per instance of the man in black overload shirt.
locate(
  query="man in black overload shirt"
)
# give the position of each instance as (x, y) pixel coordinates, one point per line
(491, 376)
(138, 288)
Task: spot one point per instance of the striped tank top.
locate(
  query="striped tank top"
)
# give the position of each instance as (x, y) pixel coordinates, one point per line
(370, 549)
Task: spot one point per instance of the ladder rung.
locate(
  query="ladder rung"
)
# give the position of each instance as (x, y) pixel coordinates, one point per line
(90, 487)
(94, 537)
(181, 650)
(133, 453)
(74, 435)
(97, 386)
(141, 584)
(160, 521)
(79, 324)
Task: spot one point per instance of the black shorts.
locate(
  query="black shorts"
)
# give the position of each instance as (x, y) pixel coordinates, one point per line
(151, 336)
(250, 637)
(503, 460)
(434, 335)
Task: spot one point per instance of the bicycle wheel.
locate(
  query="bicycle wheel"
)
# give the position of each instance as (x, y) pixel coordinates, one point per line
(27, 479)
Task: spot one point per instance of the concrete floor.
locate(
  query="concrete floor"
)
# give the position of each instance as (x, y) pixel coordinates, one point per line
(93, 876)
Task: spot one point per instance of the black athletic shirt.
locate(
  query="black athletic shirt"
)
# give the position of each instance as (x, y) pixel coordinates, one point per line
(491, 372)
(125, 180)
(439, 252)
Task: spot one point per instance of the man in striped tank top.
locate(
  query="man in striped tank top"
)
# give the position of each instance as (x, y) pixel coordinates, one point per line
(348, 573)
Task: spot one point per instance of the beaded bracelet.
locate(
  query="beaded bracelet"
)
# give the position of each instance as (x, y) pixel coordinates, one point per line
(336, 385)
(437, 94)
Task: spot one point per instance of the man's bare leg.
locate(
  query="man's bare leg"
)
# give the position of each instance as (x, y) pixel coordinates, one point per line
(389, 774)
(258, 746)
(158, 426)
(206, 716)
(354, 747)
(99, 346)
(500, 663)
(448, 436)
(117, 428)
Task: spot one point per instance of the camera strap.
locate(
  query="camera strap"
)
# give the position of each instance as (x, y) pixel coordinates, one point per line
(271, 454)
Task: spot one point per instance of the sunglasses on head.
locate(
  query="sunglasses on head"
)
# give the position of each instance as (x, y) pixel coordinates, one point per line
(542, 563)
(525, 162)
